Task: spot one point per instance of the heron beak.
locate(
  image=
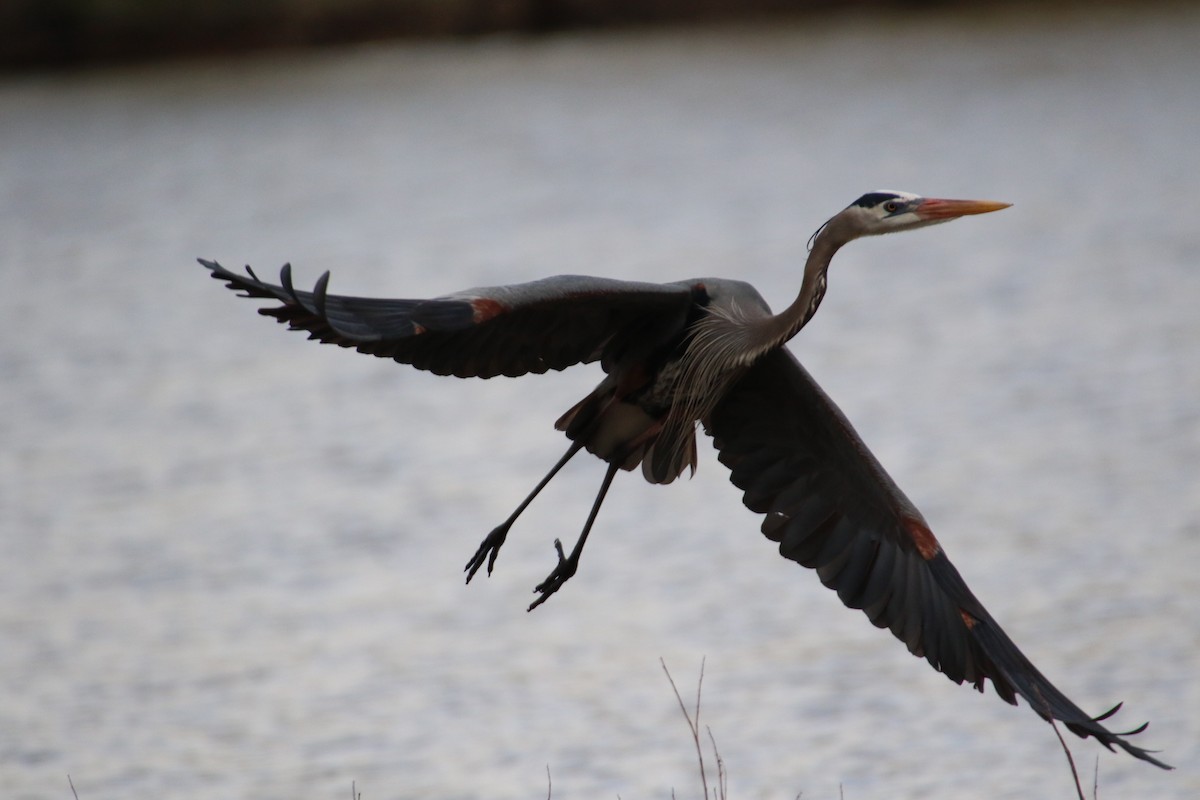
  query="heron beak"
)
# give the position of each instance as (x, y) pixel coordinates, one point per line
(932, 208)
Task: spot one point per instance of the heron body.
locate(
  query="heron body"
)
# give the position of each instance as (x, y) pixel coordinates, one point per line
(710, 352)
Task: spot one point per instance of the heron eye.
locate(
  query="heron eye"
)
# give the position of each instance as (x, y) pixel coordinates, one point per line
(891, 206)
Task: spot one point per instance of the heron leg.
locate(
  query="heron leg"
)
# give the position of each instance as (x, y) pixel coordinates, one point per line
(489, 548)
(568, 564)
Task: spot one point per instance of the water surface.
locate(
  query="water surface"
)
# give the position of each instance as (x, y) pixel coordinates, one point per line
(232, 559)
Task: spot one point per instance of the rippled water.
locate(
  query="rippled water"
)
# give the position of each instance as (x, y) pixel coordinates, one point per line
(231, 558)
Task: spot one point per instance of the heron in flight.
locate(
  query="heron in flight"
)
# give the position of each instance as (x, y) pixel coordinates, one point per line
(710, 351)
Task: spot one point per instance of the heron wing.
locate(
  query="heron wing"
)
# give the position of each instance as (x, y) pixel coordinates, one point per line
(832, 507)
(504, 330)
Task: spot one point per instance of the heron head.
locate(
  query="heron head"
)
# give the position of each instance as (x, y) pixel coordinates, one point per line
(887, 212)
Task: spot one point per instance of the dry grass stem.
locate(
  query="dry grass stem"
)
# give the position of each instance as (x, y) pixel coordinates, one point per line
(1071, 761)
(693, 721)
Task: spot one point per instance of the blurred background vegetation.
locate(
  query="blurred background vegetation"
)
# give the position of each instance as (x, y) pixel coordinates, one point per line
(42, 32)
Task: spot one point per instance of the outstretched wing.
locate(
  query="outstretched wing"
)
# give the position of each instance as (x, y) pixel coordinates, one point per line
(503, 330)
(831, 507)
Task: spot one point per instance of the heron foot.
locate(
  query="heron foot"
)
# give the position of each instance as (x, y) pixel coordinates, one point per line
(558, 576)
(489, 548)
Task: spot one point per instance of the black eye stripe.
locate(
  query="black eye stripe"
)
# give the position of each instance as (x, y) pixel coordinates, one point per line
(872, 199)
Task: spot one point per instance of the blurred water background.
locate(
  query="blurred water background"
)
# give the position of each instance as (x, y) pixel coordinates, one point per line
(230, 560)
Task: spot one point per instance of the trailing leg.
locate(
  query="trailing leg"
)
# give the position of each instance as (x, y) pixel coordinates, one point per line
(489, 548)
(568, 564)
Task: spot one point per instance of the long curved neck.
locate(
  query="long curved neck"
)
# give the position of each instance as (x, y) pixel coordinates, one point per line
(730, 337)
(812, 289)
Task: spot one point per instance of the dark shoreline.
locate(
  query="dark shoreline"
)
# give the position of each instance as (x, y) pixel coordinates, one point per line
(71, 33)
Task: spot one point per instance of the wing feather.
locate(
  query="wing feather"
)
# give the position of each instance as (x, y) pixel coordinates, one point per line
(549, 324)
(833, 508)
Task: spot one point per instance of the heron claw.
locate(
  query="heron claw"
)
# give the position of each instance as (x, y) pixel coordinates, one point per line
(557, 577)
(489, 548)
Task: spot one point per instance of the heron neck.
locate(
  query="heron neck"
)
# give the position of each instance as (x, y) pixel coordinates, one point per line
(812, 288)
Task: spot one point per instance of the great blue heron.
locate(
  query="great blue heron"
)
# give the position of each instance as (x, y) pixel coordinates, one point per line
(709, 350)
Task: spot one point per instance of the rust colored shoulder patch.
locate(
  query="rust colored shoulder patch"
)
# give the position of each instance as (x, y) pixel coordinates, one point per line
(926, 544)
(484, 308)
